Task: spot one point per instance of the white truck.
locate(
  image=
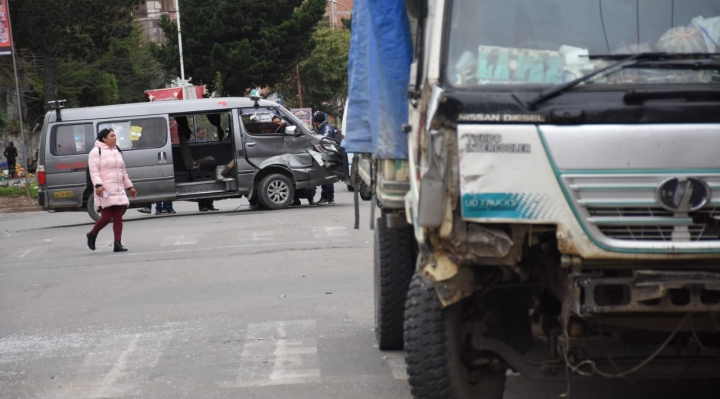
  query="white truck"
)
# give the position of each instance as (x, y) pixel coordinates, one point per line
(546, 190)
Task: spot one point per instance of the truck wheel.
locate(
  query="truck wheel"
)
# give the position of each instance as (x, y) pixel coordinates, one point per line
(92, 209)
(394, 264)
(434, 344)
(276, 191)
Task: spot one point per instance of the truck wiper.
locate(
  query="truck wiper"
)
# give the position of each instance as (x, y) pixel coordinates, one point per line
(623, 60)
(693, 65)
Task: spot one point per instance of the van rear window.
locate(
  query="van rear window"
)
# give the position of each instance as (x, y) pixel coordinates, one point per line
(71, 139)
(138, 134)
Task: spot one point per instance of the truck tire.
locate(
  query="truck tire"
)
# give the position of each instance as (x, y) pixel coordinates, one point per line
(92, 209)
(394, 264)
(433, 345)
(276, 191)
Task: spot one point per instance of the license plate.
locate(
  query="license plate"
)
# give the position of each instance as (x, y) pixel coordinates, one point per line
(63, 194)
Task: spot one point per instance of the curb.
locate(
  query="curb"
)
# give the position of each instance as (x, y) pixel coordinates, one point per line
(19, 210)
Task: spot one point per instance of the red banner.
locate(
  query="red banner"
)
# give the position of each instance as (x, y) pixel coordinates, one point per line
(5, 34)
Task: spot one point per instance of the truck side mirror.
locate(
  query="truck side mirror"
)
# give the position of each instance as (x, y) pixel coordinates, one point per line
(291, 130)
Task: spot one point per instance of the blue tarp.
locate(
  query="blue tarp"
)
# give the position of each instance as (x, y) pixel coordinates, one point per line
(378, 76)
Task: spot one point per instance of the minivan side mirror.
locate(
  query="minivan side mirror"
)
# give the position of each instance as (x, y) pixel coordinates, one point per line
(291, 130)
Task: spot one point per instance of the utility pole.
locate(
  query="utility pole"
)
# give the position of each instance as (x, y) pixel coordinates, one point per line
(332, 12)
(297, 71)
(25, 151)
(177, 18)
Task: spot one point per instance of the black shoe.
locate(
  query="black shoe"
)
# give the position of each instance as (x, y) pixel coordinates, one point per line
(118, 247)
(322, 201)
(172, 211)
(203, 209)
(311, 201)
(295, 202)
(158, 212)
(91, 240)
(145, 210)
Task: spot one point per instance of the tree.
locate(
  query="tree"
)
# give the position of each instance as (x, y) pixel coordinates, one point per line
(73, 38)
(250, 42)
(323, 74)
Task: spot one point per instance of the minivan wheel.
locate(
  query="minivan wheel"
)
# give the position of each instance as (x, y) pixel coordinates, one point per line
(276, 191)
(92, 209)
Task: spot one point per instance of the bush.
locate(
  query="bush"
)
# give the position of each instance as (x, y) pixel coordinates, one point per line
(19, 191)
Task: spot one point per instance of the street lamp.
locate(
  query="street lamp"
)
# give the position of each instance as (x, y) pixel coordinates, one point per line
(182, 64)
(333, 11)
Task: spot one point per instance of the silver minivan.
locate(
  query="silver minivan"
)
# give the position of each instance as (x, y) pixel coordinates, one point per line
(190, 150)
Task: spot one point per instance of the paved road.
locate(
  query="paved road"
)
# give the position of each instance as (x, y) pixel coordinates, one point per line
(228, 304)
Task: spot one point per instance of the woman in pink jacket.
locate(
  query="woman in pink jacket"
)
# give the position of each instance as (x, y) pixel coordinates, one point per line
(107, 171)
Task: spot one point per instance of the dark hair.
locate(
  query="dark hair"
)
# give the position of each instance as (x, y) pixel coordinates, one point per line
(276, 117)
(102, 135)
(319, 117)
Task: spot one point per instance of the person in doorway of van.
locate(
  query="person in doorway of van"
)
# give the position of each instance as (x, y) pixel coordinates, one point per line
(11, 154)
(320, 122)
(110, 180)
(201, 137)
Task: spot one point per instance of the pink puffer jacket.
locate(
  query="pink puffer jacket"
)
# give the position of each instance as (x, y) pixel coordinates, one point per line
(108, 168)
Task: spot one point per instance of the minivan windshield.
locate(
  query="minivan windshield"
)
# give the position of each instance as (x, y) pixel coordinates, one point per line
(549, 42)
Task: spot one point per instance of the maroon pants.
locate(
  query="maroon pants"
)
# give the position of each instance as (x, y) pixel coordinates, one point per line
(106, 214)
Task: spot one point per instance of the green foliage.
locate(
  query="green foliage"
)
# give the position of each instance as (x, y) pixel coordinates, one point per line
(92, 51)
(19, 191)
(323, 75)
(251, 43)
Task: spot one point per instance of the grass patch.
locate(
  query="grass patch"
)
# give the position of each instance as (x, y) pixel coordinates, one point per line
(19, 191)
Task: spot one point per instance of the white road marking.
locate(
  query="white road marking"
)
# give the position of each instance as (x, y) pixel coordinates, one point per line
(258, 236)
(113, 367)
(329, 231)
(26, 253)
(279, 353)
(119, 370)
(397, 366)
(180, 240)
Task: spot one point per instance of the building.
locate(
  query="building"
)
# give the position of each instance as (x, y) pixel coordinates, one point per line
(149, 14)
(336, 10)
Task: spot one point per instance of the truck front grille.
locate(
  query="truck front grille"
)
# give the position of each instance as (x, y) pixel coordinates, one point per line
(622, 211)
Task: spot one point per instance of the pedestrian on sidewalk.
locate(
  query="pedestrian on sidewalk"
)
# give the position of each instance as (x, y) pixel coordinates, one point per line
(11, 154)
(110, 180)
(320, 122)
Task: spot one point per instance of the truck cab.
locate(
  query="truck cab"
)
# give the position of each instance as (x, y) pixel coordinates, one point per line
(560, 201)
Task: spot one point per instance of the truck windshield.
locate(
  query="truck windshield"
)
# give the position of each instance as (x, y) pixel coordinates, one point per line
(548, 42)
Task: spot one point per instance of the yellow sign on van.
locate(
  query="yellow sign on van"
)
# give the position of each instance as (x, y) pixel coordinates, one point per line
(63, 194)
(135, 133)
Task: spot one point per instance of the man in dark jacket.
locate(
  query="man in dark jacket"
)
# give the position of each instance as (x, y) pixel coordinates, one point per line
(320, 122)
(11, 154)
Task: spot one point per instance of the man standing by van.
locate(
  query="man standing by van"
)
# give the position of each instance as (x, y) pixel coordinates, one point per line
(320, 122)
(11, 155)
(201, 137)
